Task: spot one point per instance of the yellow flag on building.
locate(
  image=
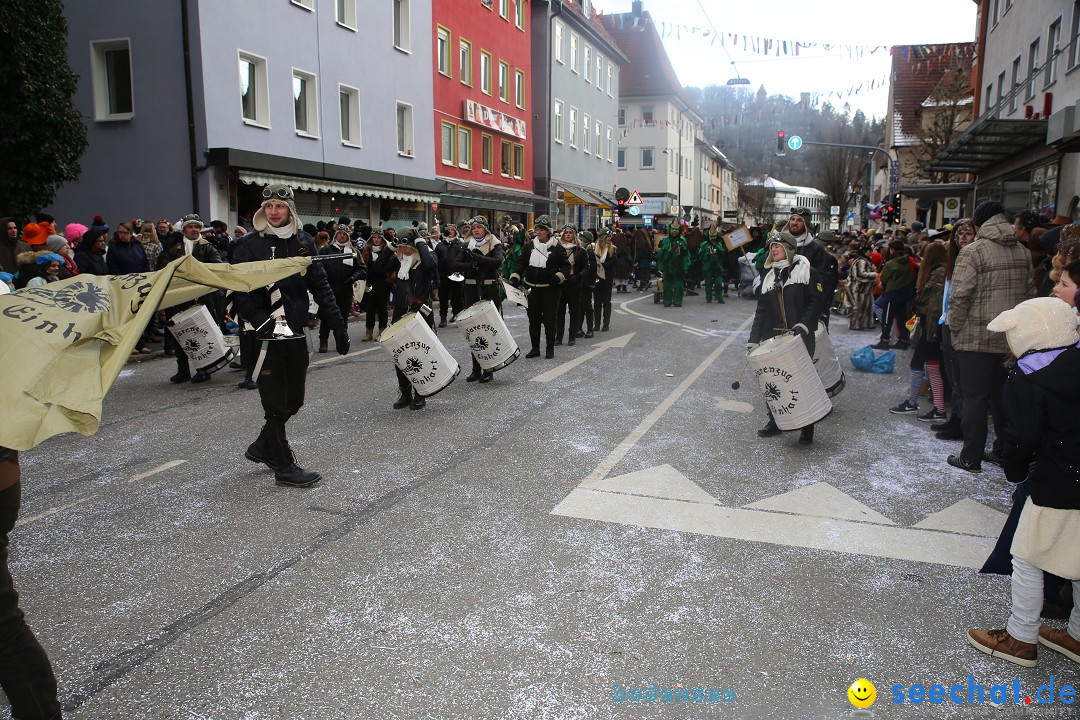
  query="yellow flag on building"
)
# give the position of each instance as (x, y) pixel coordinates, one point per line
(63, 344)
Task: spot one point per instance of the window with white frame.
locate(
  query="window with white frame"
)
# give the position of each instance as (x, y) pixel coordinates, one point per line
(1033, 68)
(464, 147)
(254, 90)
(402, 34)
(1074, 43)
(622, 158)
(504, 82)
(622, 117)
(610, 74)
(647, 158)
(519, 89)
(519, 161)
(504, 9)
(465, 61)
(573, 53)
(559, 43)
(306, 4)
(349, 100)
(556, 129)
(519, 14)
(404, 129)
(1001, 93)
(573, 126)
(598, 132)
(610, 145)
(446, 139)
(1016, 65)
(1053, 39)
(305, 103)
(114, 93)
(345, 13)
(586, 135)
(442, 50)
(599, 72)
(485, 72)
(586, 64)
(485, 153)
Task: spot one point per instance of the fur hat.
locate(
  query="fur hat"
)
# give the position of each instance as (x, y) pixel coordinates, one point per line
(986, 210)
(1039, 324)
(543, 221)
(277, 192)
(34, 234)
(74, 231)
(783, 238)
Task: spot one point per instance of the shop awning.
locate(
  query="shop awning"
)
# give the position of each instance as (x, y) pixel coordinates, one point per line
(463, 192)
(336, 186)
(937, 191)
(989, 142)
(578, 196)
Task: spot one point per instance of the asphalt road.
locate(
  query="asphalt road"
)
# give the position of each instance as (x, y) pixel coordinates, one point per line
(525, 549)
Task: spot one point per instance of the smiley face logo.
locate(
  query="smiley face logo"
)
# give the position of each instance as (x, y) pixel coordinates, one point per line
(862, 693)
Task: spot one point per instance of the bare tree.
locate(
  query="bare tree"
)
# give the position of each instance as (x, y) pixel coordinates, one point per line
(836, 173)
(756, 201)
(944, 114)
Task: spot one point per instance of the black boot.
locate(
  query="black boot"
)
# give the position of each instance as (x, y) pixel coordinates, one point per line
(200, 377)
(404, 400)
(550, 352)
(262, 450)
(534, 353)
(180, 377)
(770, 429)
(486, 376)
(806, 435)
(474, 375)
(418, 401)
(296, 476)
(248, 384)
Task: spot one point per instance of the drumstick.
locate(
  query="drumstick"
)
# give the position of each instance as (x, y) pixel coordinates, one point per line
(735, 385)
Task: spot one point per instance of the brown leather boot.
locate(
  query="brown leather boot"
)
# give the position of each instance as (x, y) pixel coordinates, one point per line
(367, 336)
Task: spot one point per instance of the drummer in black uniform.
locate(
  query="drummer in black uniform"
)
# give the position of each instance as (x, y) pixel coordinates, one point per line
(415, 268)
(279, 314)
(480, 259)
(544, 266)
(791, 300)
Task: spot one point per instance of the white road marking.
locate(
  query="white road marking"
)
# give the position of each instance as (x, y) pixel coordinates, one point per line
(647, 318)
(663, 498)
(694, 332)
(628, 443)
(60, 508)
(559, 370)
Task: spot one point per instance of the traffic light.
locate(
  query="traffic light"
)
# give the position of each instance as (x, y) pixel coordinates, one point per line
(622, 206)
(888, 213)
(781, 140)
(897, 214)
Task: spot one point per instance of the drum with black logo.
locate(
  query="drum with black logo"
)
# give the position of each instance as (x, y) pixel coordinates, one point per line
(792, 389)
(417, 352)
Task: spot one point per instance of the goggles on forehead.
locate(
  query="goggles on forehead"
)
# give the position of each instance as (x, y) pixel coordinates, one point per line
(282, 191)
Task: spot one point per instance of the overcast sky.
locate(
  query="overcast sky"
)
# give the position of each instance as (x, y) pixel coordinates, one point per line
(844, 22)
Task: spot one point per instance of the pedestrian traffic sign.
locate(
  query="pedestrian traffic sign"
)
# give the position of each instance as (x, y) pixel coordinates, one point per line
(634, 199)
(794, 142)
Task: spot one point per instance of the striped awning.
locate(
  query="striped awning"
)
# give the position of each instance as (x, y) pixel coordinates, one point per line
(336, 186)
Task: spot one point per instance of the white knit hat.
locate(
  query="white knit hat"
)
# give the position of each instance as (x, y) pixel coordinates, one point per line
(1039, 324)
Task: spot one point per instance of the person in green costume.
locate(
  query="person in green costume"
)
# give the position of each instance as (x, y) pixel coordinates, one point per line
(713, 261)
(673, 261)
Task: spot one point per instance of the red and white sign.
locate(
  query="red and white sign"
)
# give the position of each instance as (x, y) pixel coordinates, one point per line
(635, 199)
(493, 119)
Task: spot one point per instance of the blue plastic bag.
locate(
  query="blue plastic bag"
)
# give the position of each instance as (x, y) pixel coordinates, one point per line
(865, 360)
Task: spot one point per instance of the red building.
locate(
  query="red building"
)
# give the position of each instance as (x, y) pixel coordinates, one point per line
(483, 123)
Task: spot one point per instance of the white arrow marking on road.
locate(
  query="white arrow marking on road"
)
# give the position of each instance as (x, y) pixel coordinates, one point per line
(619, 342)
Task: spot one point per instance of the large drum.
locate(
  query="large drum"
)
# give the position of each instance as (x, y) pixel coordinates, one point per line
(792, 389)
(491, 343)
(417, 352)
(200, 338)
(826, 363)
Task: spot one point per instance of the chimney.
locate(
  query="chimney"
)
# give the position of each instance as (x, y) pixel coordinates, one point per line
(637, 8)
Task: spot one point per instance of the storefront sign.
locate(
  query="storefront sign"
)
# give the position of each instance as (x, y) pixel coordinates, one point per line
(493, 119)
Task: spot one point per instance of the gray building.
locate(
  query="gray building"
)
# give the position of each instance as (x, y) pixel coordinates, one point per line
(575, 150)
(195, 105)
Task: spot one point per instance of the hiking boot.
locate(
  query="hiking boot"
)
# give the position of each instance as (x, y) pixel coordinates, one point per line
(296, 476)
(367, 336)
(931, 416)
(1000, 644)
(533, 353)
(404, 400)
(261, 450)
(958, 462)
(473, 376)
(486, 376)
(806, 435)
(200, 377)
(418, 401)
(550, 353)
(904, 408)
(1059, 639)
(180, 378)
(769, 430)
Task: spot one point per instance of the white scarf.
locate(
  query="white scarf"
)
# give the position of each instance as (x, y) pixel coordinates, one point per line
(484, 246)
(407, 261)
(803, 240)
(570, 254)
(800, 273)
(539, 254)
(600, 258)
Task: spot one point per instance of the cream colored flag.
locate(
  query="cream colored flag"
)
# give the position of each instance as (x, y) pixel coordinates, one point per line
(63, 344)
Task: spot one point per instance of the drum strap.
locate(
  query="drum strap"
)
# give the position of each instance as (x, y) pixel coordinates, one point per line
(783, 310)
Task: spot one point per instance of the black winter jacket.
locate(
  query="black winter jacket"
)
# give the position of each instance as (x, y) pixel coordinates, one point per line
(255, 305)
(379, 265)
(173, 249)
(803, 303)
(1042, 424)
(445, 252)
(554, 272)
(826, 264)
(341, 274)
(477, 267)
(416, 290)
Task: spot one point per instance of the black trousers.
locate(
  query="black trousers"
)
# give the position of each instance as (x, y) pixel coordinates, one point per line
(602, 302)
(895, 311)
(25, 672)
(249, 351)
(952, 372)
(399, 312)
(983, 379)
(344, 303)
(450, 296)
(569, 300)
(375, 301)
(543, 304)
(585, 308)
(282, 377)
(474, 294)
